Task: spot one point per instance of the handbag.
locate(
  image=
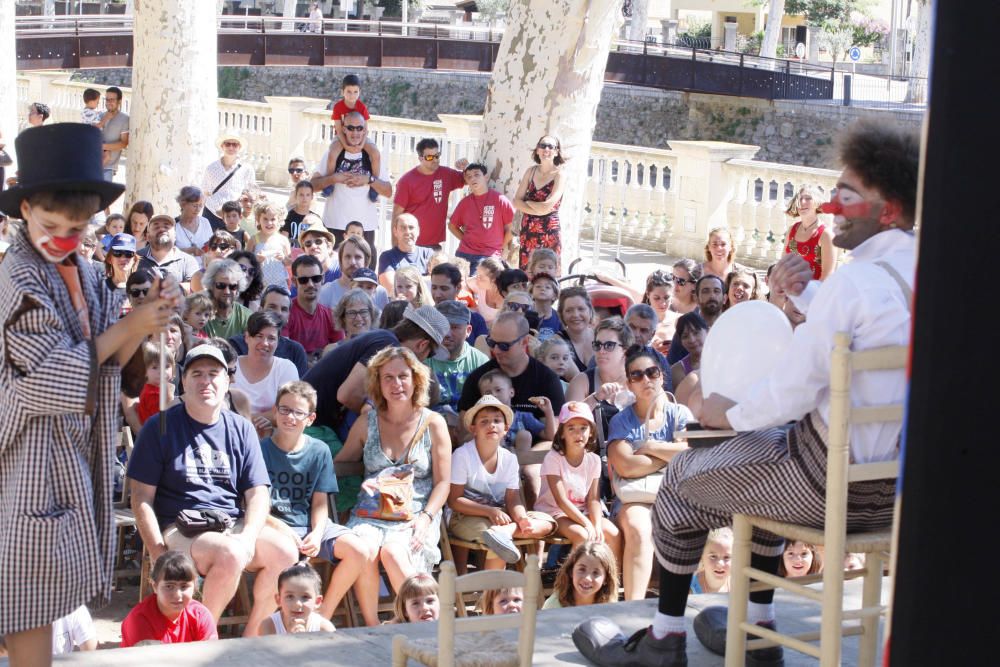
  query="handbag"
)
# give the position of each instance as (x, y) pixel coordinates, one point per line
(639, 489)
(5, 159)
(191, 523)
(388, 496)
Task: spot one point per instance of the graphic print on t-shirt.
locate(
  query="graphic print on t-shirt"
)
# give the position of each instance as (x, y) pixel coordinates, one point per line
(205, 464)
(438, 190)
(352, 166)
(488, 212)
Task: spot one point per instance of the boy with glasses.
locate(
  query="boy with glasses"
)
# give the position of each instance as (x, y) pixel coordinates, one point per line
(297, 173)
(310, 323)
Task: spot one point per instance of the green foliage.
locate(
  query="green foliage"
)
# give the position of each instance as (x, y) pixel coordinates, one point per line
(395, 7)
(231, 82)
(821, 12)
(493, 10)
(752, 46)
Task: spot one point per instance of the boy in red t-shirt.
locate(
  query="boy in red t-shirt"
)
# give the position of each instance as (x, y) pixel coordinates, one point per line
(350, 101)
(169, 615)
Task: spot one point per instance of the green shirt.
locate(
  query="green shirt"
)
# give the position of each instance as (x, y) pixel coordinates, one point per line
(552, 602)
(451, 375)
(234, 325)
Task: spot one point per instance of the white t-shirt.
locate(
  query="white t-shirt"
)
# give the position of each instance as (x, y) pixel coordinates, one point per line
(480, 486)
(576, 481)
(72, 630)
(263, 393)
(347, 204)
(187, 239)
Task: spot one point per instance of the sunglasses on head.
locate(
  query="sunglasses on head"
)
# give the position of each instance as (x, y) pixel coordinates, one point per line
(122, 253)
(547, 145)
(504, 347)
(295, 170)
(653, 373)
(305, 280)
(136, 292)
(431, 158)
(232, 287)
(354, 128)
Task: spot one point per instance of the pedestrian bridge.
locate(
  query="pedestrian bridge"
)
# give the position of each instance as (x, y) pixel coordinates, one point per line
(84, 42)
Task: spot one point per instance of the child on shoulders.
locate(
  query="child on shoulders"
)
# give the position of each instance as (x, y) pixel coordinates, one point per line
(350, 102)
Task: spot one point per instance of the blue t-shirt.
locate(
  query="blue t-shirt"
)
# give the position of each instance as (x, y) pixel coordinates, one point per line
(394, 259)
(523, 420)
(479, 328)
(628, 426)
(296, 476)
(549, 327)
(198, 466)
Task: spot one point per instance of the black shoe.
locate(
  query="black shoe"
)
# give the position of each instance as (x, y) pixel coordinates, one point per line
(601, 641)
(710, 628)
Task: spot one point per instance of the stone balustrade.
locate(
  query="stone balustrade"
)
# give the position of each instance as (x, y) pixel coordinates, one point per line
(666, 200)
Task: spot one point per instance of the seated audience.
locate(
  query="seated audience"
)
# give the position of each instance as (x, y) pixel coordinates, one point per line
(741, 285)
(452, 372)
(259, 373)
(353, 253)
(404, 251)
(298, 598)
(692, 331)
(226, 281)
(410, 287)
(276, 300)
(355, 314)
(417, 600)
(544, 292)
(310, 323)
(713, 569)
(446, 285)
(589, 575)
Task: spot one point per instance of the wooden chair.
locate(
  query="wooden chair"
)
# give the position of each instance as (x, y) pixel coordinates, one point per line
(124, 518)
(837, 541)
(487, 648)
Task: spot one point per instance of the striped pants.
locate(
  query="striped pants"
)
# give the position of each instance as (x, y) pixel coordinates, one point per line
(777, 473)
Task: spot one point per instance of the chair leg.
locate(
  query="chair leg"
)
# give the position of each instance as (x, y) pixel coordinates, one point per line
(871, 596)
(144, 574)
(832, 622)
(739, 593)
(398, 656)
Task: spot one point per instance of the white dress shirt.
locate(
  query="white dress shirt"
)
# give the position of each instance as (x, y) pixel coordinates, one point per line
(860, 298)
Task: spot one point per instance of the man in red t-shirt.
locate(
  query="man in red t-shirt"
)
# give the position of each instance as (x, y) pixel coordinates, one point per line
(481, 222)
(310, 323)
(423, 191)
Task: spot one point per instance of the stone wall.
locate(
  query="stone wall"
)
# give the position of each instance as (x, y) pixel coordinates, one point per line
(799, 133)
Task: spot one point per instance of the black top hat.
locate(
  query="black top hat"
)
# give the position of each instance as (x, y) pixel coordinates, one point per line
(61, 156)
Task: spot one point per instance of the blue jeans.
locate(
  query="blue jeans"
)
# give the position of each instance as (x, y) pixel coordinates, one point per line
(109, 174)
(473, 260)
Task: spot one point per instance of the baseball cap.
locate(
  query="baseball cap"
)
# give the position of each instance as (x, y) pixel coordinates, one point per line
(574, 409)
(455, 312)
(487, 401)
(364, 275)
(202, 352)
(122, 242)
(430, 320)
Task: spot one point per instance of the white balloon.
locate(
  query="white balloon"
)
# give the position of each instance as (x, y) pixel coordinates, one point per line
(744, 345)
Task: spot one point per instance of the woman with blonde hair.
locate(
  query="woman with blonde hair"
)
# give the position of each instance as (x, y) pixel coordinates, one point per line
(807, 237)
(720, 253)
(398, 431)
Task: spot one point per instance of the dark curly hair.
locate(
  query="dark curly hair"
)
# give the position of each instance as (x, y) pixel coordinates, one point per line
(887, 158)
(256, 286)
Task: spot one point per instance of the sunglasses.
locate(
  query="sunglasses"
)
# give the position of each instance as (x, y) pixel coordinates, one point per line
(607, 345)
(684, 281)
(216, 247)
(137, 292)
(308, 243)
(122, 253)
(653, 373)
(305, 280)
(518, 307)
(232, 287)
(549, 146)
(431, 158)
(231, 144)
(295, 170)
(354, 128)
(504, 347)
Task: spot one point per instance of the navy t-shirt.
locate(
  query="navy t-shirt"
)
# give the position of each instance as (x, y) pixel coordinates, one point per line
(332, 370)
(296, 476)
(198, 466)
(536, 380)
(394, 258)
(479, 328)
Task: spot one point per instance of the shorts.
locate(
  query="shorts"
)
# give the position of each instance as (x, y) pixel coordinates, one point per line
(176, 542)
(468, 528)
(329, 540)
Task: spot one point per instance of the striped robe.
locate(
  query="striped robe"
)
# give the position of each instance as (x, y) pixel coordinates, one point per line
(59, 417)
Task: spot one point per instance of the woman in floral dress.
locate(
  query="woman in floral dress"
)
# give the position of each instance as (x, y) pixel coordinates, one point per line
(538, 197)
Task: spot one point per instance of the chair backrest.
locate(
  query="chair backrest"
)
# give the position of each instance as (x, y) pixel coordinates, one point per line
(840, 471)
(128, 444)
(451, 585)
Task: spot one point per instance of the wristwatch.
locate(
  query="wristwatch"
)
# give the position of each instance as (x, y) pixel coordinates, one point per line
(371, 179)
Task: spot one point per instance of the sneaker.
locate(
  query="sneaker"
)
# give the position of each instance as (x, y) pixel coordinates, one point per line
(502, 545)
(601, 641)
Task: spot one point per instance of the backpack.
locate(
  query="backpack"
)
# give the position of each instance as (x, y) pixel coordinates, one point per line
(366, 163)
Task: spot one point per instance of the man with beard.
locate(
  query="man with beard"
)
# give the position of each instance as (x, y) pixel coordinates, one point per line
(710, 290)
(162, 253)
(353, 253)
(277, 300)
(868, 298)
(226, 281)
(310, 322)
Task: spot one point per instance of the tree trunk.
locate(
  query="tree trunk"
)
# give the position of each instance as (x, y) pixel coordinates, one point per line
(547, 80)
(640, 15)
(772, 34)
(174, 122)
(916, 91)
(8, 84)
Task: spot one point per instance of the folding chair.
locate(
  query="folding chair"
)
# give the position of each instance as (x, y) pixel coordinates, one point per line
(454, 647)
(840, 473)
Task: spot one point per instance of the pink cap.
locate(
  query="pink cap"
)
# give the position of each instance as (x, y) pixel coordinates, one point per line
(574, 409)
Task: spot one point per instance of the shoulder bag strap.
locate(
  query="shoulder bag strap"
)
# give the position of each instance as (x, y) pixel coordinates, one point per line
(907, 292)
(226, 179)
(421, 428)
